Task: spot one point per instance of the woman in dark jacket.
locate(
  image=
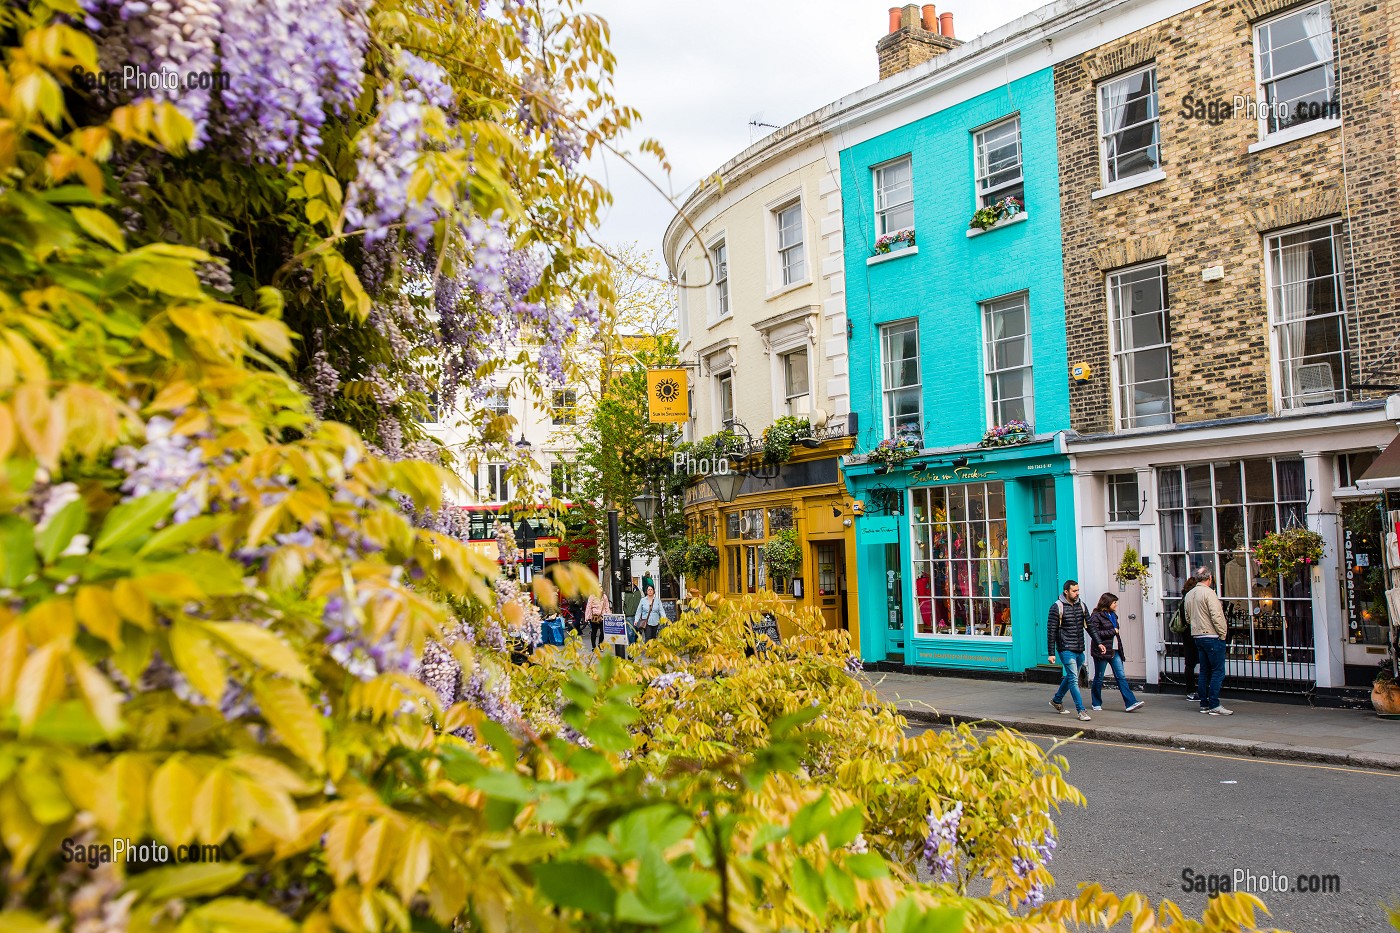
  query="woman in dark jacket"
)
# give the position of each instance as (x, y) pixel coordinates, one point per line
(1106, 648)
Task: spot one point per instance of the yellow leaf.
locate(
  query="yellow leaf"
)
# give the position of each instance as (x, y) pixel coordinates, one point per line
(236, 915)
(262, 647)
(214, 807)
(293, 718)
(172, 800)
(413, 865)
(342, 840)
(99, 226)
(369, 854)
(133, 604)
(13, 649)
(197, 660)
(97, 611)
(101, 698)
(40, 682)
(262, 524)
(272, 808)
(7, 432)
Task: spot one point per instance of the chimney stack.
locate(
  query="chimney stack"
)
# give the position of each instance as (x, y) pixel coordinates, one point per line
(915, 36)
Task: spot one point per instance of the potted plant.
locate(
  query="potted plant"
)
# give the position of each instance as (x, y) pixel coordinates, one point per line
(779, 437)
(1131, 568)
(993, 214)
(1280, 553)
(892, 451)
(1385, 690)
(900, 239)
(783, 554)
(1008, 435)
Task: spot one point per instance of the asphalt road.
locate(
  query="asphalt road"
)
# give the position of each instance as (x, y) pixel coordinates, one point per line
(1156, 812)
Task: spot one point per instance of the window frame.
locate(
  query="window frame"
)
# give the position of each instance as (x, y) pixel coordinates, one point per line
(1116, 352)
(1111, 483)
(719, 288)
(567, 412)
(721, 380)
(887, 392)
(783, 368)
(882, 208)
(784, 265)
(989, 359)
(1341, 316)
(1099, 88)
(993, 194)
(1261, 85)
(495, 475)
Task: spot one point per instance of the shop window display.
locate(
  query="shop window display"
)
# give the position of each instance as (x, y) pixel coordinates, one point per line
(961, 578)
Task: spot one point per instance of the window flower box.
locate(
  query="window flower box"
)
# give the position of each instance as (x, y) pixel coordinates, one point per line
(891, 452)
(987, 217)
(1008, 435)
(891, 242)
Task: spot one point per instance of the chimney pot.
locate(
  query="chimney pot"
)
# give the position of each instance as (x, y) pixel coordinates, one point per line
(894, 19)
(930, 18)
(945, 24)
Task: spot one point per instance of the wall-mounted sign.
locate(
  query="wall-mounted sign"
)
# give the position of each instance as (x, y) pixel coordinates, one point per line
(956, 475)
(667, 396)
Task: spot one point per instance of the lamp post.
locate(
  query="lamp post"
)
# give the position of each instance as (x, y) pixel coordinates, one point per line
(614, 563)
(525, 540)
(648, 506)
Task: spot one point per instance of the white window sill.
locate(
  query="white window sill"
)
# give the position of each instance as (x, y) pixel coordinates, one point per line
(718, 321)
(1302, 411)
(892, 254)
(1004, 222)
(1128, 184)
(1302, 131)
(771, 296)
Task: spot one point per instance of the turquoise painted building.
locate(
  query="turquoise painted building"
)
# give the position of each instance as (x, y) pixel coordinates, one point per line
(962, 549)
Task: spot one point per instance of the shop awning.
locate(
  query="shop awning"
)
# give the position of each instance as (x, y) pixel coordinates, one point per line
(1385, 472)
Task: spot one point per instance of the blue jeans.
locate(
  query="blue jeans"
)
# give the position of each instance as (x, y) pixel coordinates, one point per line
(1212, 652)
(1072, 661)
(1101, 665)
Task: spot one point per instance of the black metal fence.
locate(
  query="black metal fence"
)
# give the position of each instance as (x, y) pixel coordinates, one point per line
(1267, 652)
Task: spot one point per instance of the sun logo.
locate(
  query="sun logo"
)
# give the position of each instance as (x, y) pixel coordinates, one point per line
(668, 390)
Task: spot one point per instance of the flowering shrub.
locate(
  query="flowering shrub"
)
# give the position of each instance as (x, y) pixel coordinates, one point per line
(1281, 553)
(890, 241)
(992, 214)
(219, 626)
(892, 451)
(779, 437)
(1008, 435)
(783, 553)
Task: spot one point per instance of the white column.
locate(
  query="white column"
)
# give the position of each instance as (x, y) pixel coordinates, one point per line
(1329, 629)
(1149, 543)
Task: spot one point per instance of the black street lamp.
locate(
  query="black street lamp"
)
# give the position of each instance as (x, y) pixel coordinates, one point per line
(646, 505)
(725, 486)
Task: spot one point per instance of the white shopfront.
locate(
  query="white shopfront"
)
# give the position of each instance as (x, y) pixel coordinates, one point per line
(1192, 495)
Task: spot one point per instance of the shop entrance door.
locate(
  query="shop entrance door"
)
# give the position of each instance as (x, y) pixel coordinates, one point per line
(1045, 589)
(1130, 614)
(894, 603)
(831, 582)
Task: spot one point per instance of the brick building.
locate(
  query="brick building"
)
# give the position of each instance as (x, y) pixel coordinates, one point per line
(1226, 181)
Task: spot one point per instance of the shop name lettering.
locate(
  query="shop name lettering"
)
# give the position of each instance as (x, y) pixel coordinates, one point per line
(959, 473)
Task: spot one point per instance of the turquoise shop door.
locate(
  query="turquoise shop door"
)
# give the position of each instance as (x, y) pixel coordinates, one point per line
(1045, 589)
(894, 603)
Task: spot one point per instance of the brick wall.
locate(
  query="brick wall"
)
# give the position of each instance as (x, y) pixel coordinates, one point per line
(1218, 200)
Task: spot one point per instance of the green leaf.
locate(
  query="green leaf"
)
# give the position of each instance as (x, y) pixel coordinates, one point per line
(843, 828)
(129, 522)
(60, 530)
(577, 885)
(841, 886)
(809, 822)
(659, 886)
(908, 917)
(184, 881)
(17, 551)
(868, 866)
(807, 885)
(175, 537)
(242, 916)
(786, 724)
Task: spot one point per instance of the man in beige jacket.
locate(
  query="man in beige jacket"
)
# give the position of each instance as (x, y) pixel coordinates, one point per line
(1208, 627)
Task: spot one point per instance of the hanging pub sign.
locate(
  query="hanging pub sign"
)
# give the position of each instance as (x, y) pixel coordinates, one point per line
(668, 399)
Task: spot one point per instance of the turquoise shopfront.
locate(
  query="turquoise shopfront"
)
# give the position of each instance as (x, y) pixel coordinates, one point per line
(971, 547)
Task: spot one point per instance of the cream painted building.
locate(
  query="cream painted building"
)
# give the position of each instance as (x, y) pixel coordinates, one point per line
(757, 259)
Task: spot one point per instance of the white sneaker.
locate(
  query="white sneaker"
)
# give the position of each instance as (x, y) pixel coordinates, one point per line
(1083, 716)
(1097, 708)
(1138, 705)
(1221, 711)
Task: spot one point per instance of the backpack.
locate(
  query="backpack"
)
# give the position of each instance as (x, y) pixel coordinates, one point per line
(1179, 623)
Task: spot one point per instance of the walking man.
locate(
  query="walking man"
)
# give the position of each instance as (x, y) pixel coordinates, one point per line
(1208, 627)
(1068, 620)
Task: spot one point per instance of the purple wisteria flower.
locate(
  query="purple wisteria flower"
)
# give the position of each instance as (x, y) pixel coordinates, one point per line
(941, 844)
(166, 462)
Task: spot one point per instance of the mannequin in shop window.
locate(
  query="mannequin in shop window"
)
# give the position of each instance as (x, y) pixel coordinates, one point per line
(1236, 590)
(996, 556)
(924, 597)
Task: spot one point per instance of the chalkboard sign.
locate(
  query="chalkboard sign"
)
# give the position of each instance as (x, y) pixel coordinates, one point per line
(614, 630)
(670, 609)
(766, 627)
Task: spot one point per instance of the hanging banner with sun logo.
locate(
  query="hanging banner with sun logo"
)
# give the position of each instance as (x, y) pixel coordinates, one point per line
(666, 395)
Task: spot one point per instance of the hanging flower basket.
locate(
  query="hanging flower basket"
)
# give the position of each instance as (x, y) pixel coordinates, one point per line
(893, 241)
(892, 451)
(1281, 553)
(992, 214)
(1008, 435)
(783, 554)
(1131, 568)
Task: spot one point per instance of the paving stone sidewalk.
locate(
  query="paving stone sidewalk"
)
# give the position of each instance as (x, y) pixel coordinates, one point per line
(1355, 738)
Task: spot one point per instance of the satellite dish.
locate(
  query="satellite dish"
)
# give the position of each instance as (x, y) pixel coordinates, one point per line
(820, 417)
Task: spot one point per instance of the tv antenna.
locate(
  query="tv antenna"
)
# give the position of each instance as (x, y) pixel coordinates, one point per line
(756, 122)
